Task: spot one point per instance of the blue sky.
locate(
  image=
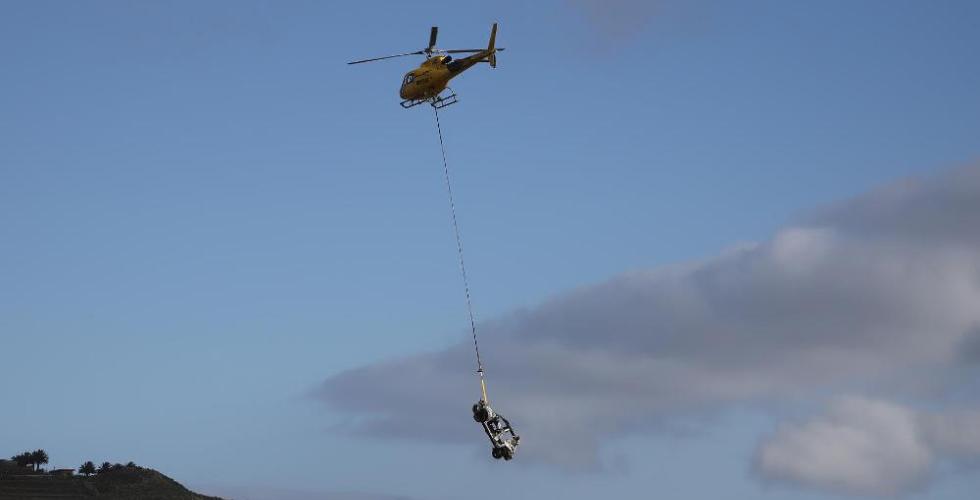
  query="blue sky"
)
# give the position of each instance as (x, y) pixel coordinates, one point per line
(205, 213)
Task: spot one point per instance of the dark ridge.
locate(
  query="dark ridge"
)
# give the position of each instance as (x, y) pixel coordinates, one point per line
(117, 483)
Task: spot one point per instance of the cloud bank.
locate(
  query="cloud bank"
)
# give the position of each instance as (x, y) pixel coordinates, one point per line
(860, 447)
(615, 20)
(877, 294)
(272, 493)
(867, 447)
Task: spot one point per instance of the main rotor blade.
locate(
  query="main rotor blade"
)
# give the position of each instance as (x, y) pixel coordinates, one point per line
(420, 52)
(432, 37)
(463, 51)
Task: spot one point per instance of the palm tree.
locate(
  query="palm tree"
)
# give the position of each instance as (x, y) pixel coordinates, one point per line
(38, 457)
(87, 468)
(105, 467)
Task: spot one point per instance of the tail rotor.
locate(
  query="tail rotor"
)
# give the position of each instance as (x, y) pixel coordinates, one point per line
(492, 58)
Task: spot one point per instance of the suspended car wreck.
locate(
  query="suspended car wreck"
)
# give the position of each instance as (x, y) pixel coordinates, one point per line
(497, 428)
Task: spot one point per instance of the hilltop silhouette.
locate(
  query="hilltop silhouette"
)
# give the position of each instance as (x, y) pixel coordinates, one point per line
(22, 478)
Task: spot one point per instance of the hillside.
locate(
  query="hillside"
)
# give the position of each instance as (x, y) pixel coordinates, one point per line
(116, 484)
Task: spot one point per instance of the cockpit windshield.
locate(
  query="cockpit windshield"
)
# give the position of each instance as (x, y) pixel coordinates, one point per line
(409, 78)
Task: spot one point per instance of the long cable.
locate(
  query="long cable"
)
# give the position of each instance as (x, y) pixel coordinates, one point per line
(459, 252)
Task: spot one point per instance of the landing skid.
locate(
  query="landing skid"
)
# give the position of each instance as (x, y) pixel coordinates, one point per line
(440, 102)
(437, 102)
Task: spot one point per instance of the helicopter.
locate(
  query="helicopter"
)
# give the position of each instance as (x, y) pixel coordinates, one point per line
(427, 82)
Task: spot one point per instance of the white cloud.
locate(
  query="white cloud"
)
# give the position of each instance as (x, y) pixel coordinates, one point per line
(868, 447)
(878, 290)
(860, 447)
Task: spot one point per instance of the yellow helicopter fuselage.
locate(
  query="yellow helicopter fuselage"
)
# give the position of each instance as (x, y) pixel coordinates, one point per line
(425, 83)
(433, 75)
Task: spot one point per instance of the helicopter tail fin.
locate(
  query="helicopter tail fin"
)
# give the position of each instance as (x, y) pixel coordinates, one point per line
(490, 48)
